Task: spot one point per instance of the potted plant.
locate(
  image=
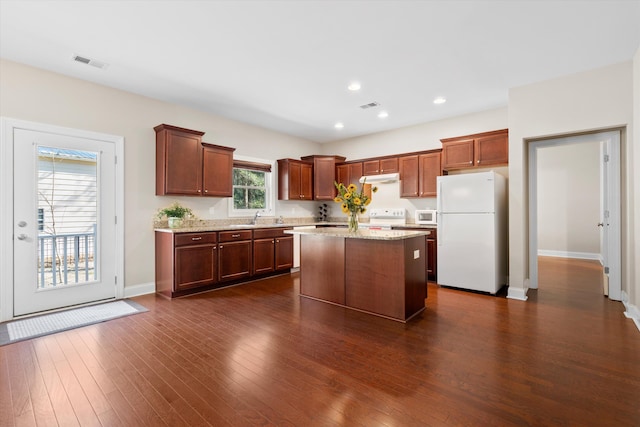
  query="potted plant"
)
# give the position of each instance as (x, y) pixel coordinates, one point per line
(174, 214)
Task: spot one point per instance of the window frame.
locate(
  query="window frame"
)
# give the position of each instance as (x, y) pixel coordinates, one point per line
(270, 190)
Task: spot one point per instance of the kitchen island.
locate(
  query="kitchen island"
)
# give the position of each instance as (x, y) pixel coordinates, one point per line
(381, 272)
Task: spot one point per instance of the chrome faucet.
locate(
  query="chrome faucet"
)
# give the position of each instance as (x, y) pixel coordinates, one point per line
(255, 218)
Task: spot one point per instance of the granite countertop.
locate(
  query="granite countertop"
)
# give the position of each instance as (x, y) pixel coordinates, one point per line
(362, 233)
(203, 226)
(200, 228)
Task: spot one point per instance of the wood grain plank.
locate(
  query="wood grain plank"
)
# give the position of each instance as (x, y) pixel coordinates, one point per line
(258, 354)
(42, 409)
(57, 394)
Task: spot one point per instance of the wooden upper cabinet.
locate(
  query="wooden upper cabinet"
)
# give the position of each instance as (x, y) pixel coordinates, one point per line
(409, 176)
(295, 180)
(306, 181)
(187, 166)
(457, 154)
(178, 161)
(324, 175)
(371, 167)
(349, 173)
(492, 150)
(479, 150)
(418, 174)
(380, 166)
(389, 165)
(217, 170)
(429, 169)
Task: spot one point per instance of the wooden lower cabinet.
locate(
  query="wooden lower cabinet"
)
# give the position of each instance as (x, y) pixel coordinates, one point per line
(194, 262)
(263, 255)
(235, 255)
(432, 252)
(432, 256)
(272, 250)
(380, 277)
(185, 262)
(322, 261)
(284, 253)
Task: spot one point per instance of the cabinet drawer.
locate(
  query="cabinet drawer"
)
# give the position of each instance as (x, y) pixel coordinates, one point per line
(230, 236)
(184, 239)
(266, 233)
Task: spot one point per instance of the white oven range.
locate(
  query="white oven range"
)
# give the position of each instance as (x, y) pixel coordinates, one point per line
(385, 218)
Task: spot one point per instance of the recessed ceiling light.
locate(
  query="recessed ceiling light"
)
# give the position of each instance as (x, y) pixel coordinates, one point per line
(354, 86)
(383, 114)
(339, 125)
(440, 100)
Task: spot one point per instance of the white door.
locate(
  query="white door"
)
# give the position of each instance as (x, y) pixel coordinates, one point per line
(610, 215)
(63, 221)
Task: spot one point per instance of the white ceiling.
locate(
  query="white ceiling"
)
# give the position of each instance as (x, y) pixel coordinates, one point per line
(285, 65)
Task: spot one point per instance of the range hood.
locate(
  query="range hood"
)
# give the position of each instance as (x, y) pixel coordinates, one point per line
(377, 179)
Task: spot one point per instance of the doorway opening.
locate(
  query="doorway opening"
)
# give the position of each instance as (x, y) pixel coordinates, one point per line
(574, 203)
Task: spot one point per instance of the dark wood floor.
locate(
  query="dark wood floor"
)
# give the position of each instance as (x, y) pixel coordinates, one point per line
(257, 354)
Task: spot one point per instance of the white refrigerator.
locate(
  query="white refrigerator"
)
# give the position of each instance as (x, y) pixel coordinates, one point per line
(472, 231)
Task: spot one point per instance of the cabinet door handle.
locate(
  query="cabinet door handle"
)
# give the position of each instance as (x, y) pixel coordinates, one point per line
(470, 162)
(206, 191)
(235, 236)
(277, 241)
(198, 191)
(478, 161)
(220, 247)
(214, 248)
(196, 238)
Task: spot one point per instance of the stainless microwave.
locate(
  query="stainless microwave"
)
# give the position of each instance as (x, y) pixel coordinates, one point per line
(426, 216)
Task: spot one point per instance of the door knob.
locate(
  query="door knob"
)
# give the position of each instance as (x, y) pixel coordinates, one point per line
(22, 236)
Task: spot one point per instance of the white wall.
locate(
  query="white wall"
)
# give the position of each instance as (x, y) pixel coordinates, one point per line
(633, 162)
(568, 199)
(36, 95)
(592, 100)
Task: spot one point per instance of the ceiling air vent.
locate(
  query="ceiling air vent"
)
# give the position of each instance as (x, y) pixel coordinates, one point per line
(370, 105)
(92, 62)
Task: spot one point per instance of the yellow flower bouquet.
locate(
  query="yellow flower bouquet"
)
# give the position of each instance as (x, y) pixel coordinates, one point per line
(353, 202)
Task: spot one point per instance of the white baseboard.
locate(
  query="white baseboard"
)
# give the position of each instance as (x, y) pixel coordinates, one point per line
(631, 311)
(141, 289)
(517, 293)
(567, 254)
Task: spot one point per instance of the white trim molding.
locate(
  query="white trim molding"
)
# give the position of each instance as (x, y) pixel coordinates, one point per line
(518, 293)
(631, 311)
(567, 254)
(140, 289)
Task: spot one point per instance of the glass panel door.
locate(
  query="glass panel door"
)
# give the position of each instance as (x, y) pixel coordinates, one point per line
(64, 212)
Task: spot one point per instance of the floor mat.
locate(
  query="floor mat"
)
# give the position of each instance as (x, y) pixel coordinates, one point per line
(32, 327)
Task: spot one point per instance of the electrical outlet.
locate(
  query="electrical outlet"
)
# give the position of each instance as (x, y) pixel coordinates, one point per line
(416, 254)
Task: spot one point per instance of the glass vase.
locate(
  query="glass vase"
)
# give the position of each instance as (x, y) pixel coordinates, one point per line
(353, 222)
